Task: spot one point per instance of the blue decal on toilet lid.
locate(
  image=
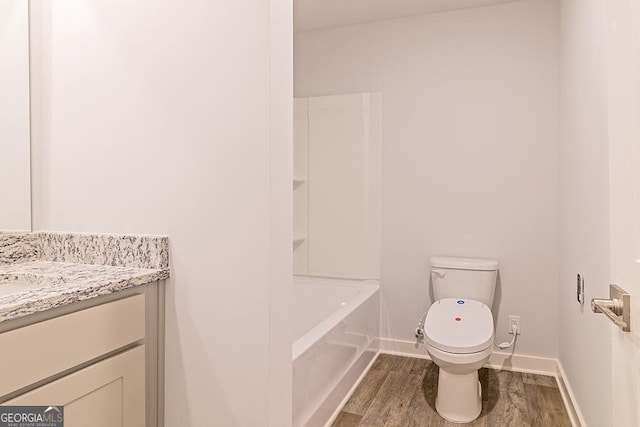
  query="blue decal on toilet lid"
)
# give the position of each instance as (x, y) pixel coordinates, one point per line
(460, 301)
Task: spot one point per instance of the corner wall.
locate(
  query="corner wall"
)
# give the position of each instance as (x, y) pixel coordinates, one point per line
(165, 117)
(585, 350)
(15, 214)
(469, 151)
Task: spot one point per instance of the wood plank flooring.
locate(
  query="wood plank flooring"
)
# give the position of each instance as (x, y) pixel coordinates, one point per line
(401, 391)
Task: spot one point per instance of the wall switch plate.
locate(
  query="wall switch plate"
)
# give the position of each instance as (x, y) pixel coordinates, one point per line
(580, 288)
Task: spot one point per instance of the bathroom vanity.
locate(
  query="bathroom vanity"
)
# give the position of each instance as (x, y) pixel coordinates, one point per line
(81, 325)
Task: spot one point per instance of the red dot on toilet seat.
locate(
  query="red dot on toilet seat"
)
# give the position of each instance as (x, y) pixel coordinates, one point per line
(458, 319)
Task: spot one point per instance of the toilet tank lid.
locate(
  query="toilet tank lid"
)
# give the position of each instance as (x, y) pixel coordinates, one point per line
(464, 263)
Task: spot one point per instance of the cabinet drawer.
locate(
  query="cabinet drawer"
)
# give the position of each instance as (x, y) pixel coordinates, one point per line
(36, 352)
(109, 393)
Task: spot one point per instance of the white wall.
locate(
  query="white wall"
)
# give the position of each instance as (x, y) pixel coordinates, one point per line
(469, 161)
(174, 118)
(585, 351)
(15, 210)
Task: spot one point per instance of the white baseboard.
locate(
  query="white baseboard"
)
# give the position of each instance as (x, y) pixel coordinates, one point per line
(569, 398)
(402, 348)
(498, 360)
(503, 361)
(522, 363)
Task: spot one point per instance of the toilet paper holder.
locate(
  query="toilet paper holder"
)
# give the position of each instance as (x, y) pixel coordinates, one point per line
(617, 308)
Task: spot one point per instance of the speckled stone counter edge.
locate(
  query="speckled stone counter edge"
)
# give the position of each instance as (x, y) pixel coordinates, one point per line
(99, 249)
(80, 282)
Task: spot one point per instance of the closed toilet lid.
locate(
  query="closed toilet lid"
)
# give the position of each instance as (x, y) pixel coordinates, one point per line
(459, 325)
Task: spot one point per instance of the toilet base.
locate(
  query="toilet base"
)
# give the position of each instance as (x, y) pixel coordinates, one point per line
(459, 397)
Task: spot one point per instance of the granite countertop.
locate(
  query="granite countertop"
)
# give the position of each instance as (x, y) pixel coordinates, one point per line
(56, 269)
(55, 284)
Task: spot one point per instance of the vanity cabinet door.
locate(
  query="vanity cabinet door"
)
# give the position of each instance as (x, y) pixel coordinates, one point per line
(106, 394)
(44, 349)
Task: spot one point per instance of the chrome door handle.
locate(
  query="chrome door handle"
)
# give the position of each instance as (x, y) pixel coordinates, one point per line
(617, 308)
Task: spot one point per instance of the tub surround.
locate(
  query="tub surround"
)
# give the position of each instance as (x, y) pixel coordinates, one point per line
(63, 268)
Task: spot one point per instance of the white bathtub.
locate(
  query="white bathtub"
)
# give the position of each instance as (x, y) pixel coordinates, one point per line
(336, 322)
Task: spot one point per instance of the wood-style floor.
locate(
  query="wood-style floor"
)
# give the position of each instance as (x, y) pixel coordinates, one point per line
(401, 391)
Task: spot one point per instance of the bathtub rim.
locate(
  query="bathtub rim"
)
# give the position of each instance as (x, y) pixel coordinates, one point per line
(306, 341)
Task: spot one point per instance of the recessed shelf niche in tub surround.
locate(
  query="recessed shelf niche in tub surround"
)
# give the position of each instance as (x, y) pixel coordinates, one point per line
(62, 268)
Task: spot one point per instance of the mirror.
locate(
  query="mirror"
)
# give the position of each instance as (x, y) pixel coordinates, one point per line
(15, 168)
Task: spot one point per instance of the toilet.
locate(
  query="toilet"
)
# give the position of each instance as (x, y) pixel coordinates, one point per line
(459, 332)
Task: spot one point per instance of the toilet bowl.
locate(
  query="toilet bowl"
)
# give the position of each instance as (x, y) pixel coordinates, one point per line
(458, 330)
(459, 397)
(459, 334)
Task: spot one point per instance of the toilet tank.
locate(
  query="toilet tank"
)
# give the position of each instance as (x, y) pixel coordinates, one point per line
(467, 278)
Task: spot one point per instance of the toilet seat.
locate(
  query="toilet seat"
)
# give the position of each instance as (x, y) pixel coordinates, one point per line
(458, 325)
